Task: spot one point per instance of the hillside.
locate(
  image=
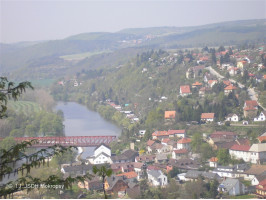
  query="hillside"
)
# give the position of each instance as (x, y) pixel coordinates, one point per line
(48, 59)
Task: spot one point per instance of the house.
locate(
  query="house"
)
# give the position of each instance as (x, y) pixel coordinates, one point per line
(227, 82)
(177, 133)
(192, 175)
(261, 190)
(116, 184)
(76, 170)
(102, 154)
(127, 155)
(123, 167)
(233, 71)
(179, 153)
(261, 117)
(207, 117)
(236, 171)
(163, 149)
(157, 178)
(250, 108)
(258, 153)
(213, 162)
(129, 175)
(184, 143)
(161, 158)
(203, 91)
(142, 133)
(240, 152)
(185, 90)
(169, 114)
(146, 158)
(224, 134)
(258, 178)
(183, 164)
(232, 187)
(94, 184)
(196, 85)
(165, 141)
(211, 83)
(159, 135)
(232, 117)
(254, 170)
(228, 89)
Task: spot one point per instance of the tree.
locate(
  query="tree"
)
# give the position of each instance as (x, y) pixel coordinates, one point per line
(8, 90)
(223, 156)
(103, 172)
(11, 157)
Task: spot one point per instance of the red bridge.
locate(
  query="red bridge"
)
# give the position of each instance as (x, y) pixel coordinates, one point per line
(79, 141)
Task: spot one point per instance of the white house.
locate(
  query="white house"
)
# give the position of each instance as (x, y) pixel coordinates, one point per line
(258, 153)
(232, 186)
(184, 143)
(213, 162)
(101, 155)
(232, 117)
(240, 152)
(157, 178)
(261, 117)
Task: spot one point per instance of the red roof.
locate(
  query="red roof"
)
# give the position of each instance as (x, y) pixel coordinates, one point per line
(197, 84)
(227, 82)
(160, 133)
(173, 132)
(150, 142)
(207, 115)
(219, 134)
(262, 185)
(185, 89)
(251, 103)
(213, 159)
(237, 147)
(129, 174)
(165, 140)
(169, 114)
(150, 167)
(181, 151)
(261, 138)
(247, 108)
(212, 81)
(230, 87)
(184, 141)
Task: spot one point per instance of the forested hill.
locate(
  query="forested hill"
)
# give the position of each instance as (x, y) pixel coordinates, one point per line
(48, 59)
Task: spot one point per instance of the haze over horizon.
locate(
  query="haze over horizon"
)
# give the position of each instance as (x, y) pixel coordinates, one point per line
(49, 20)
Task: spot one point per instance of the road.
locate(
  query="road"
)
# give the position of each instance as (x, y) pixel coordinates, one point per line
(251, 92)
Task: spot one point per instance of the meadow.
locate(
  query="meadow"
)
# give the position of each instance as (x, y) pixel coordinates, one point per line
(26, 107)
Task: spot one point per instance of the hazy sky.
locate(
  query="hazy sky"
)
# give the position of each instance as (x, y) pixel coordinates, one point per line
(31, 20)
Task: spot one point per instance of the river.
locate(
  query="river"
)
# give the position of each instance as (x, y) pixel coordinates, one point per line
(80, 121)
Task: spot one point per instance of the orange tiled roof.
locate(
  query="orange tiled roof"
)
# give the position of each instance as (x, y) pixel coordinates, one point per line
(169, 114)
(197, 84)
(181, 151)
(230, 87)
(129, 174)
(264, 76)
(184, 141)
(227, 82)
(160, 133)
(185, 89)
(150, 142)
(207, 115)
(172, 132)
(165, 140)
(261, 138)
(251, 103)
(213, 159)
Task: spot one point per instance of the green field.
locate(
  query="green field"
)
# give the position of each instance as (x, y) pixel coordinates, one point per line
(26, 107)
(81, 56)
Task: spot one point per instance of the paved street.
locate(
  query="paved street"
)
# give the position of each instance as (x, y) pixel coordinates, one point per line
(251, 92)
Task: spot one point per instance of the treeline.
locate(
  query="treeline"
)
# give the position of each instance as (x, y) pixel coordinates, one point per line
(37, 124)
